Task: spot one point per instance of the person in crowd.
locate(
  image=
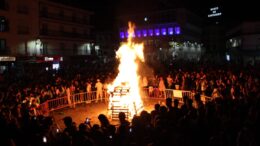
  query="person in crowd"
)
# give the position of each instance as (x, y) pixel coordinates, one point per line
(144, 82)
(99, 90)
(169, 82)
(89, 90)
(230, 120)
(82, 137)
(216, 94)
(162, 88)
(68, 93)
(123, 130)
(155, 113)
(106, 127)
(150, 91)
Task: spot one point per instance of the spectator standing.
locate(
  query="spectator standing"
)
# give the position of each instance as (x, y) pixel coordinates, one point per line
(162, 88)
(99, 90)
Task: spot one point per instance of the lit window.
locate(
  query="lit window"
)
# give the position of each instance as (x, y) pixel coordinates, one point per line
(144, 33)
(55, 66)
(177, 30)
(138, 33)
(163, 30)
(150, 31)
(157, 32)
(227, 57)
(170, 31)
(3, 24)
(122, 35)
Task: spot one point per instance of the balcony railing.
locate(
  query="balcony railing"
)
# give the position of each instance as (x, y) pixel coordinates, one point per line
(63, 34)
(70, 19)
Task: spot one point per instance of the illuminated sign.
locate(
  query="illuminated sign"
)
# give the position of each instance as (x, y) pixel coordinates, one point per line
(7, 58)
(48, 58)
(215, 11)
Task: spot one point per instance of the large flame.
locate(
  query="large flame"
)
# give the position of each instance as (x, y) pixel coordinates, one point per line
(128, 54)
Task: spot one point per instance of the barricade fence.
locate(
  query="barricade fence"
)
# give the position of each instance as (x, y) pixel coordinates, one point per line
(89, 97)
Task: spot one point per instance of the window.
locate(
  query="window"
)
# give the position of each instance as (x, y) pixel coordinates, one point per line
(2, 44)
(3, 24)
(3, 5)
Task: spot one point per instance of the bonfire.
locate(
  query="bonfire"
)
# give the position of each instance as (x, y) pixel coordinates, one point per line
(125, 89)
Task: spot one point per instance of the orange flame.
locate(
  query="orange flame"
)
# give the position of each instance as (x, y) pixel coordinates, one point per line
(128, 54)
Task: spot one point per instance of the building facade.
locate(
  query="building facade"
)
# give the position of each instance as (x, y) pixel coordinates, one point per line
(169, 34)
(44, 28)
(214, 31)
(243, 42)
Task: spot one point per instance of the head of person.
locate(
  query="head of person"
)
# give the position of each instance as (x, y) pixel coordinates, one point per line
(168, 102)
(67, 121)
(121, 116)
(103, 120)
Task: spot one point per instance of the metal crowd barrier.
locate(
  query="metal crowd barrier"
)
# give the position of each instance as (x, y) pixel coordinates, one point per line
(78, 98)
(168, 93)
(85, 97)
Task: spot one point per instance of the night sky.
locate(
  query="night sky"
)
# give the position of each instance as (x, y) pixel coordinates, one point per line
(106, 11)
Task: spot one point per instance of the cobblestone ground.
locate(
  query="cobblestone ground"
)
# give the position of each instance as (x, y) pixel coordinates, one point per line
(92, 110)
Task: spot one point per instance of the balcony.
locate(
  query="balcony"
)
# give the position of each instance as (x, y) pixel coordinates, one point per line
(70, 19)
(53, 33)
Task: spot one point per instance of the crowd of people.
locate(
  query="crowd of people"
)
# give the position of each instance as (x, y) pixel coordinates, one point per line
(230, 118)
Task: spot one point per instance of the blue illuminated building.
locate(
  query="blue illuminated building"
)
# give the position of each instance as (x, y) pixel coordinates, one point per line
(169, 30)
(159, 30)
